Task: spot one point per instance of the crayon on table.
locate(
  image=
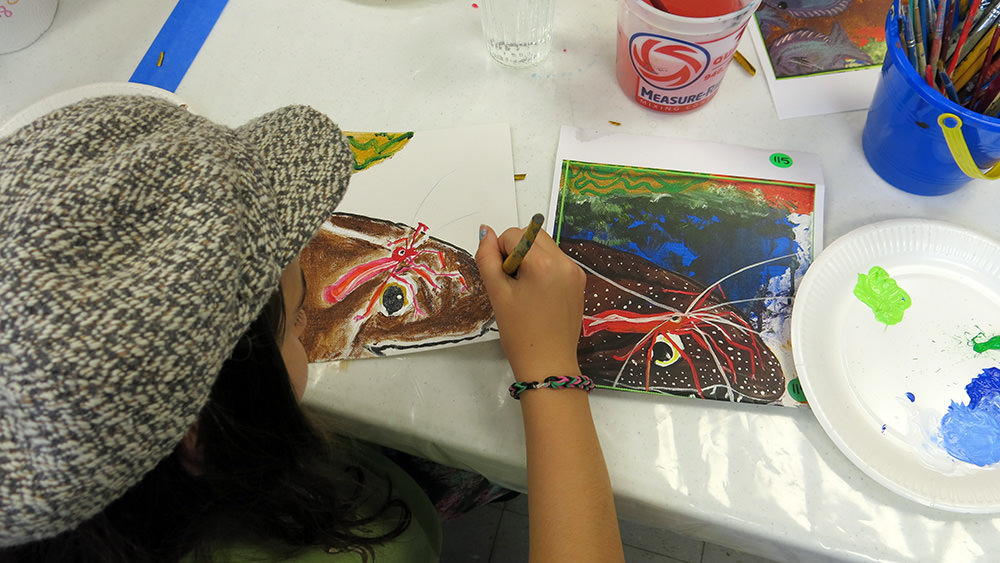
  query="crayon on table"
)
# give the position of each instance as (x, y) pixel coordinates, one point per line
(513, 260)
(745, 63)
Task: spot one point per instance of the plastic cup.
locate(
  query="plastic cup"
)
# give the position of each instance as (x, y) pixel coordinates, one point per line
(24, 21)
(518, 33)
(903, 140)
(672, 63)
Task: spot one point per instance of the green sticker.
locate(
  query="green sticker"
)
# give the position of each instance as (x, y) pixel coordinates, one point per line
(883, 295)
(795, 391)
(781, 160)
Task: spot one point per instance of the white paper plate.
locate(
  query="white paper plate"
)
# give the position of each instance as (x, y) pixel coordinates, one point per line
(856, 371)
(56, 101)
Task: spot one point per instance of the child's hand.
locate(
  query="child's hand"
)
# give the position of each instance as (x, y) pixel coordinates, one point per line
(540, 310)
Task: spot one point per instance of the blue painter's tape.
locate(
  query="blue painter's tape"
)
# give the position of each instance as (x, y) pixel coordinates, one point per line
(179, 40)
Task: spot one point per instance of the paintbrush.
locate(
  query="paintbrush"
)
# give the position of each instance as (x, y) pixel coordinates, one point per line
(949, 88)
(949, 21)
(970, 65)
(986, 72)
(905, 15)
(514, 259)
(982, 25)
(988, 94)
(973, 10)
(936, 42)
(918, 34)
(994, 107)
(993, 97)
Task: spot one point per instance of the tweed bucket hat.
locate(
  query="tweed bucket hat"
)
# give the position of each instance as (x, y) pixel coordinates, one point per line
(137, 243)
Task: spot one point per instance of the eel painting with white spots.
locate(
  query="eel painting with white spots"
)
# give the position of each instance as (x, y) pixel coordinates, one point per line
(649, 329)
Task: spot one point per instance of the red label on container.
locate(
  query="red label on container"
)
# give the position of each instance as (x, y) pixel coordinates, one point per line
(666, 63)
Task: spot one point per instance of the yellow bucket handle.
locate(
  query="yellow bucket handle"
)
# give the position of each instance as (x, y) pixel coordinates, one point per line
(960, 151)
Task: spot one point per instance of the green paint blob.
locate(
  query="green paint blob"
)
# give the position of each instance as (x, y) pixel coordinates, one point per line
(991, 344)
(883, 295)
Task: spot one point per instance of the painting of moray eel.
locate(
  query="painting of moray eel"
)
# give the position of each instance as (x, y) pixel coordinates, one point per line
(646, 328)
(809, 8)
(375, 287)
(805, 51)
(807, 37)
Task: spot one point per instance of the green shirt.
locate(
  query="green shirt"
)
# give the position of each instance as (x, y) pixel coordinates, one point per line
(421, 541)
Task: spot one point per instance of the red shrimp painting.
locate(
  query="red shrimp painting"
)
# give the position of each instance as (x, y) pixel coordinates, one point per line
(649, 329)
(376, 287)
(690, 278)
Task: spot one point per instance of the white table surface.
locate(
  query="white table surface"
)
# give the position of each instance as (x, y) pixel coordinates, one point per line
(765, 480)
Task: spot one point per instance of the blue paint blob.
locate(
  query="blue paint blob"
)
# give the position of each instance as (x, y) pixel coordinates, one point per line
(883, 429)
(910, 396)
(971, 433)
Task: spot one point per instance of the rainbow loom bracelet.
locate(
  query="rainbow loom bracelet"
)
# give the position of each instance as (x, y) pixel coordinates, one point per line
(555, 382)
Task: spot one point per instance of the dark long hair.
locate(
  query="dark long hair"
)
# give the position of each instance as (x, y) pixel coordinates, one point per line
(266, 474)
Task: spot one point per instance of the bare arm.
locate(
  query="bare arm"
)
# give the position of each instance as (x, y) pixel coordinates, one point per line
(570, 503)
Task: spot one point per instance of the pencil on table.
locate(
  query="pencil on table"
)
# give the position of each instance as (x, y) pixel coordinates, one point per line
(513, 260)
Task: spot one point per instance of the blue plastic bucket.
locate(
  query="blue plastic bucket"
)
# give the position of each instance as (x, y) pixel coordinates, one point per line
(904, 137)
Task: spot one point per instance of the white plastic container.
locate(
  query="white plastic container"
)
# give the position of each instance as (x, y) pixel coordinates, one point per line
(24, 21)
(672, 63)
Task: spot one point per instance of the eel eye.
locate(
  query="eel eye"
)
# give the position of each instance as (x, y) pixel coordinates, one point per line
(394, 299)
(664, 352)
